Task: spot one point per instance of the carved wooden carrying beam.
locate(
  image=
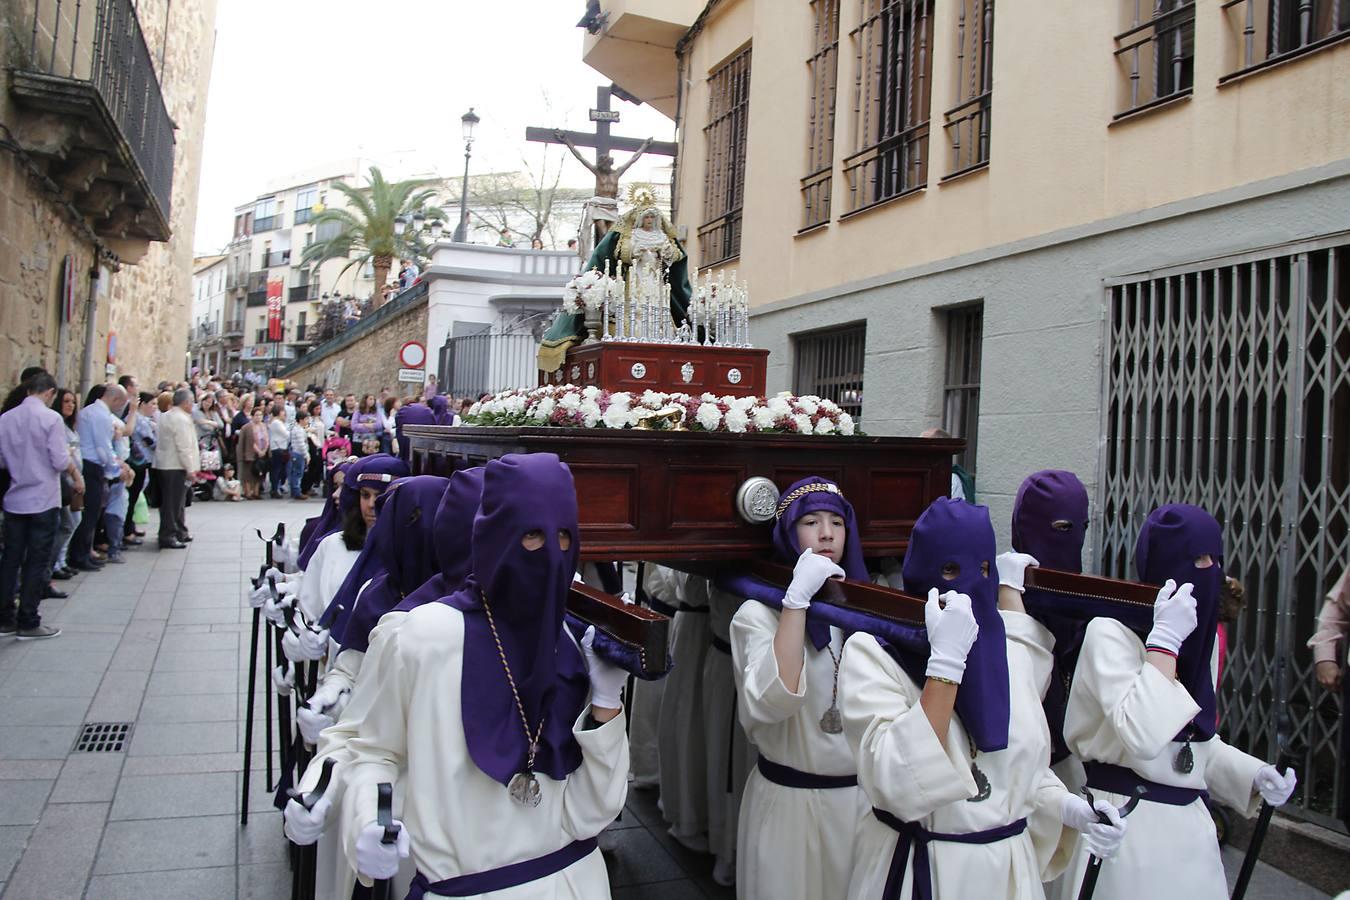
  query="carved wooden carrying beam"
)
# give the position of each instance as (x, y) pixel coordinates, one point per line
(646, 631)
(1054, 581)
(862, 596)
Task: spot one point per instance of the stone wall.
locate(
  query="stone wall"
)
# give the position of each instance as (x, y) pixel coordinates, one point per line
(365, 358)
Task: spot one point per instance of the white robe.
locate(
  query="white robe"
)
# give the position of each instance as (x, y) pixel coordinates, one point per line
(730, 756)
(327, 569)
(1125, 712)
(644, 725)
(459, 820)
(684, 770)
(905, 770)
(792, 843)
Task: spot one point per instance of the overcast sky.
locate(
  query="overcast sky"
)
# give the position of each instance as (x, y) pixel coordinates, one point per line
(302, 82)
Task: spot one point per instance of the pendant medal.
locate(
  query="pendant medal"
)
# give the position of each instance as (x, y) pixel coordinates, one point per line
(832, 722)
(524, 789)
(1184, 762)
(981, 784)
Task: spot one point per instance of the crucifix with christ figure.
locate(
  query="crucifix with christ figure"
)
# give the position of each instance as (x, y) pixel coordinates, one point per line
(602, 209)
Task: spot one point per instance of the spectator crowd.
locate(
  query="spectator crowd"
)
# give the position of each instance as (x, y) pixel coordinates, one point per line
(78, 478)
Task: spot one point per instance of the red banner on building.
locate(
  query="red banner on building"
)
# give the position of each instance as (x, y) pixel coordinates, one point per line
(275, 318)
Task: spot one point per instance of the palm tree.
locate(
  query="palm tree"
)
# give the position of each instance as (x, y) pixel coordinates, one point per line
(366, 228)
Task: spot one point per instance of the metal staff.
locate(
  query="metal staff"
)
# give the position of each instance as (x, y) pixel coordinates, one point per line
(1282, 722)
(253, 682)
(1094, 868)
(384, 888)
(303, 878)
(283, 702)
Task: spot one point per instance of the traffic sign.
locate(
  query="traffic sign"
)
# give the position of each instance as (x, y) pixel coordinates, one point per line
(412, 355)
(411, 376)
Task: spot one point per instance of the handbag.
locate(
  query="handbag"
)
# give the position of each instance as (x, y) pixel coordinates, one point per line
(211, 460)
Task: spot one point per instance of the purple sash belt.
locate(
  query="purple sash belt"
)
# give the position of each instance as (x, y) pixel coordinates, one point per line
(503, 877)
(1120, 780)
(795, 778)
(912, 834)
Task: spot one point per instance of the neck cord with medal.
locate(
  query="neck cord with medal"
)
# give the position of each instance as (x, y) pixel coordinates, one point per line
(832, 722)
(524, 786)
(983, 789)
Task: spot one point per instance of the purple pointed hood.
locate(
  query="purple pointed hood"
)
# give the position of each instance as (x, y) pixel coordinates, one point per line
(412, 414)
(376, 471)
(816, 494)
(954, 531)
(526, 591)
(440, 409)
(453, 538)
(1170, 541)
(1044, 498)
(403, 541)
(327, 521)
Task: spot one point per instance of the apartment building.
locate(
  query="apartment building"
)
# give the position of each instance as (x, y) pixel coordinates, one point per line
(1111, 237)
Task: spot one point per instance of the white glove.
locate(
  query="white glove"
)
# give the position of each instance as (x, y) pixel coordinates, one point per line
(311, 723)
(304, 645)
(1102, 838)
(274, 610)
(1275, 789)
(951, 633)
(303, 826)
(1174, 617)
(321, 711)
(283, 679)
(810, 572)
(378, 860)
(1012, 569)
(607, 679)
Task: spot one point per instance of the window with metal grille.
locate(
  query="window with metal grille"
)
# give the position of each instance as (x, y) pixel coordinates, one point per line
(1228, 386)
(719, 237)
(961, 384)
(823, 70)
(968, 123)
(891, 96)
(829, 364)
(1155, 53)
(1268, 31)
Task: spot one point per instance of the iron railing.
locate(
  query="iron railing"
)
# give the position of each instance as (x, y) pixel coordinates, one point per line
(303, 292)
(276, 258)
(968, 123)
(724, 174)
(1227, 385)
(233, 327)
(99, 42)
(1270, 31)
(830, 363)
(256, 298)
(891, 100)
(267, 223)
(823, 68)
(1156, 54)
(476, 364)
(304, 215)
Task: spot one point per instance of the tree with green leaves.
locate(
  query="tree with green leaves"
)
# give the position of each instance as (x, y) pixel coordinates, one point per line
(365, 230)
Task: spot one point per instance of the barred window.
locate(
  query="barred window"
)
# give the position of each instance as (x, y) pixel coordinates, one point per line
(724, 178)
(1267, 31)
(823, 67)
(961, 387)
(1155, 54)
(891, 95)
(968, 122)
(829, 364)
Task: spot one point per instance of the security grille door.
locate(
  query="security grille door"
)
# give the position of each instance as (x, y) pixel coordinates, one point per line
(1228, 387)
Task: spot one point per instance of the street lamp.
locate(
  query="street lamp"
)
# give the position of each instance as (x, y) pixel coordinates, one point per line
(400, 224)
(468, 121)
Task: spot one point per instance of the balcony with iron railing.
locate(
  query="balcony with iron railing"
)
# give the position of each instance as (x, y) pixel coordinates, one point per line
(267, 223)
(233, 328)
(276, 258)
(91, 109)
(303, 293)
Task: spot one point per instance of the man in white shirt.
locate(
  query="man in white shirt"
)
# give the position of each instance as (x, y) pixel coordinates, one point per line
(279, 439)
(329, 409)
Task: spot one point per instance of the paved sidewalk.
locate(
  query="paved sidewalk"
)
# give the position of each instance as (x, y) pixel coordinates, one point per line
(161, 642)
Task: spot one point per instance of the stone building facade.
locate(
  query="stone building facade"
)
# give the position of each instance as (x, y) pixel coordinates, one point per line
(102, 189)
(365, 357)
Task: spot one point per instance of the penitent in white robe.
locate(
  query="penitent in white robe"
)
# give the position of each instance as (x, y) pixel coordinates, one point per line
(327, 569)
(1125, 712)
(684, 769)
(729, 753)
(792, 843)
(459, 820)
(645, 721)
(905, 770)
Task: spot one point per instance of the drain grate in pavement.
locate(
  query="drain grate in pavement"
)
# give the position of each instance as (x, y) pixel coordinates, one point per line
(102, 737)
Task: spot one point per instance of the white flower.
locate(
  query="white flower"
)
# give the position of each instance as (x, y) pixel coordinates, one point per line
(590, 392)
(737, 420)
(544, 408)
(708, 398)
(709, 416)
(830, 407)
(763, 418)
(825, 426)
(621, 398)
(845, 424)
(616, 417)
(570, 401)
(745, 404)
(590, 413)
(784, 395)
(803, 423)
(807, 406)
(779, 407)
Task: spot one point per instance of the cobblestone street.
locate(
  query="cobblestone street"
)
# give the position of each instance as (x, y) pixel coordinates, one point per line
(161, 643)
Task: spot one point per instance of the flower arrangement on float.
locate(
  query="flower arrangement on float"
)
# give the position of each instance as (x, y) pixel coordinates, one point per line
(588, 291)
(570, 406)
